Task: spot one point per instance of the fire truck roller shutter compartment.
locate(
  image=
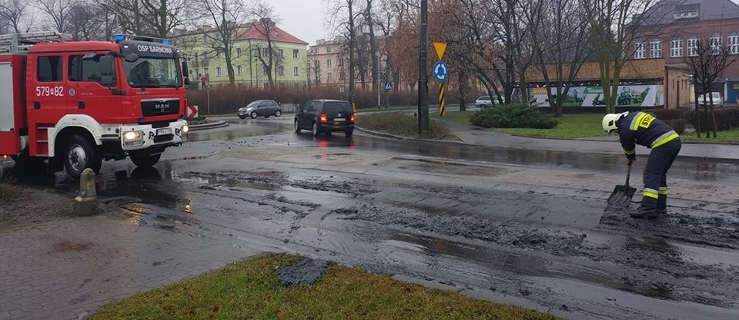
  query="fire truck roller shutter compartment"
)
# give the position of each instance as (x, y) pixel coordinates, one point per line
(7, 112)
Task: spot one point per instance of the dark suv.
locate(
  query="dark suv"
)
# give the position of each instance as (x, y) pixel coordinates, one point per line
(325, 116)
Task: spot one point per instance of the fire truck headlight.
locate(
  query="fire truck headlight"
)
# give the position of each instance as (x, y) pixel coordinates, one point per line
(185, 129)
(133, 137)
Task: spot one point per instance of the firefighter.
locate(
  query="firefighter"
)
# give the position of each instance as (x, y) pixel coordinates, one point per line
(644, 129)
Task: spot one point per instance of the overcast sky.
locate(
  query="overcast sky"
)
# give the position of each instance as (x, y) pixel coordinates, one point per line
(305, 19)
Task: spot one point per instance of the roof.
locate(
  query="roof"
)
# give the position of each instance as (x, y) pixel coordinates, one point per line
(255, 31)
(672, 11)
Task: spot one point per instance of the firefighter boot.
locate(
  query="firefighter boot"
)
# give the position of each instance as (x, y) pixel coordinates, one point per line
(647, 209)
(662, 204)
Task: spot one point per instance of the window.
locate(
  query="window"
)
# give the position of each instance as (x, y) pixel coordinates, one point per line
(676, 48)
(238, 70)
(342, 76)
(328, 77)
(328, 63)
(281, 70)
(205, 38)
(317, 64)
(733, 41)
(656, 49)
(281, 53)
(264, 69)
(265, 52)
(692, 47)
(218, 71)
(218, 54)
(296, 52)
(639, 50)
(49, 69)
(715, 43)
(98, 69)
(238, 52)
(295, 71)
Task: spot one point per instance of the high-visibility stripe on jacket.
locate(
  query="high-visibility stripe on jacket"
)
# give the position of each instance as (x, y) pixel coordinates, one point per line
(644, 129)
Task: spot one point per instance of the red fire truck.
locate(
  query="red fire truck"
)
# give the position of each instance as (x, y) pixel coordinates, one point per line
(77, 103)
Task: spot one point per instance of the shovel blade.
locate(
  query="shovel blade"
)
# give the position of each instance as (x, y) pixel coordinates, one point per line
(621, 196)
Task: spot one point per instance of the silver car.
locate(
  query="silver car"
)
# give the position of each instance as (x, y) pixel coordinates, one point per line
(260, 108)
(483, 102)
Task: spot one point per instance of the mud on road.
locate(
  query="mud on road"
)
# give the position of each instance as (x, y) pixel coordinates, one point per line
(534, 235)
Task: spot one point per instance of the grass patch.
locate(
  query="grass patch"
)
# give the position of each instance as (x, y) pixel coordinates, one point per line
(402, 124)
(570, 126)
(251, 290)
(726, 136)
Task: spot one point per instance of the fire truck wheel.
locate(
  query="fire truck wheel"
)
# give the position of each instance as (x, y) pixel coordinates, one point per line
(145, 160)
(80, 154)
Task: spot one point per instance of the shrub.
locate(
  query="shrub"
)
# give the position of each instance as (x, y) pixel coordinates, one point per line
(677, 124)
(513, 116)
(726, 118)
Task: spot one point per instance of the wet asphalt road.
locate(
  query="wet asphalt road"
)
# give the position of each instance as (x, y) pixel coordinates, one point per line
(519, 226)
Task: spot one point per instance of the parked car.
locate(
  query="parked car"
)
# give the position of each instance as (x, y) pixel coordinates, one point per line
(325, 115)
(260, 108)
(483, 102)
(705, 99)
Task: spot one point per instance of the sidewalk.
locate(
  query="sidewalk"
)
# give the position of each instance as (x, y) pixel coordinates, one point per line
(607, 144)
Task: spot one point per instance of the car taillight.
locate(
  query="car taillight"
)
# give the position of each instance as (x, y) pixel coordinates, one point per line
(352, 119)
(323, 118)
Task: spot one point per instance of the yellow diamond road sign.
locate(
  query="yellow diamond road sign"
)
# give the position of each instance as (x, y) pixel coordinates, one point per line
(440, 48)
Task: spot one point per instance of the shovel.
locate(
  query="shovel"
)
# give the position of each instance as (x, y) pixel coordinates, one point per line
(621, 196)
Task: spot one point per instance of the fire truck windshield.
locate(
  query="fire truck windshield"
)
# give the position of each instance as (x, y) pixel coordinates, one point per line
(148, 72)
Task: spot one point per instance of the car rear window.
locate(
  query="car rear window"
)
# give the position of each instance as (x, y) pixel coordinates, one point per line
(334, 107)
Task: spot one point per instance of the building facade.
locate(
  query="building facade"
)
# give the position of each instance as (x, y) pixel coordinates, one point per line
(206, 58)
(656, 63)
(327, 67)
(672, 31)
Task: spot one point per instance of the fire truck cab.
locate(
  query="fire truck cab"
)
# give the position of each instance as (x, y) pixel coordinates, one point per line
(78, 103)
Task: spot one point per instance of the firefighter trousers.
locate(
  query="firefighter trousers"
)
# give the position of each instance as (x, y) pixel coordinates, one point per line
(655, 174)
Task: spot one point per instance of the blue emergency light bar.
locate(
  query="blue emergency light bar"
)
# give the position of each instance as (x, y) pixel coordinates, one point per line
(121, 37)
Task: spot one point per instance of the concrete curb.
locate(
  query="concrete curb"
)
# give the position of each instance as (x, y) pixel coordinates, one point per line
(461, 142)
(397, 137)
(211, 125)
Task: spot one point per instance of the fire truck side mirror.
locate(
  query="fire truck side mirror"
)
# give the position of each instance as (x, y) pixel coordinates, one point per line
(186, 73)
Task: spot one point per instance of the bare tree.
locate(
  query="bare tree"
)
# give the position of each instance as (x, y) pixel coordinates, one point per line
(561, 46)
(12, 13)
(86, 21)
(370, 22)
(479, 44)
(346, 16)
(613, 24)
(150, 17)
(707, 62)
(162, 16)
(129, 16)
(267, 56)
(226, 15)
(58, 11)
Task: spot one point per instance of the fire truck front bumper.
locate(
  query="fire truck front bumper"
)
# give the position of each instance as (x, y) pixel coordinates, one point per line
(137, 137)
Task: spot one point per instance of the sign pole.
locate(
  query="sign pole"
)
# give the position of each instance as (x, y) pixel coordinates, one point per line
(423, 89)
